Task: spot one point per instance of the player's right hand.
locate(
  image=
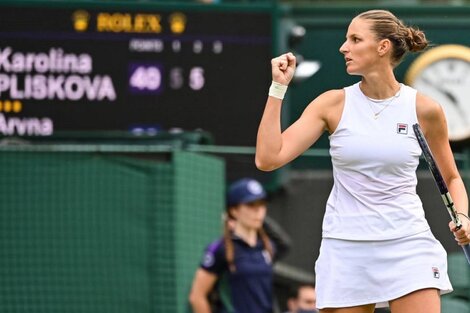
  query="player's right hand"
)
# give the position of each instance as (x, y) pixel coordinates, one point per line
(283, 68)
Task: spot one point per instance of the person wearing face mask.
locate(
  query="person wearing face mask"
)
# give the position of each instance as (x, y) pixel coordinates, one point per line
(377, 247)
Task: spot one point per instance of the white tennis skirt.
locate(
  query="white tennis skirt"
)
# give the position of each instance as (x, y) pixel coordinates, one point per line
(352, 273)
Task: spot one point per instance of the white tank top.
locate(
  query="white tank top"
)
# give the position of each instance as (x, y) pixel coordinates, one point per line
(374, 168)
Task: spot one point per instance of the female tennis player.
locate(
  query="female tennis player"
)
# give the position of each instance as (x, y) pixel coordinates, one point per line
(377, 248)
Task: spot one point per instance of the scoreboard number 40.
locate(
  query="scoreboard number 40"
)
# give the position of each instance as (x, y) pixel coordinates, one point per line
(148, 78)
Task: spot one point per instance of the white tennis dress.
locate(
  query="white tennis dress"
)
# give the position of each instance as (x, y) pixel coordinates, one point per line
(377, 245)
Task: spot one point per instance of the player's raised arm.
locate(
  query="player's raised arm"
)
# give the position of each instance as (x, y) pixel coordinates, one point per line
(275, 148)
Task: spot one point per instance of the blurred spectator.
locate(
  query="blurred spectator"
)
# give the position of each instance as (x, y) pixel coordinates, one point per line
(236, 272)
(303, 300)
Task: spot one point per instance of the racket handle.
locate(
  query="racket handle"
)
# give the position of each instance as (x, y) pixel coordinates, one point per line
(466, 250)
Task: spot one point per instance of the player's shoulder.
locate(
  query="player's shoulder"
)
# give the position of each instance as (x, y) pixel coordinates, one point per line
(332, 96)
(427, 108)
(326, 103)
(329, 98)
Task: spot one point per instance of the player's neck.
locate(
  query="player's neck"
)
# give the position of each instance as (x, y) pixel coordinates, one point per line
(379, 85)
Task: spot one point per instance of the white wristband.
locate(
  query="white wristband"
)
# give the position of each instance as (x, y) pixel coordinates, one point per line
(277, 90)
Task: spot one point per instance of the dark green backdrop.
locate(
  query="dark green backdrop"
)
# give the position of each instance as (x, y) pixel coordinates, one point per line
(91, 232)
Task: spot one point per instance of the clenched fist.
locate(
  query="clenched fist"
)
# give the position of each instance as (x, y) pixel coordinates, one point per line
(283, 68)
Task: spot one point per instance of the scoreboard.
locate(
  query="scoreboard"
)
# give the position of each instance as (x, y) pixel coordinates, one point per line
(105, 68)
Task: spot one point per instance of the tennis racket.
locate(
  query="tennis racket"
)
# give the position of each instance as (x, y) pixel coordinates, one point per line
(441, 185)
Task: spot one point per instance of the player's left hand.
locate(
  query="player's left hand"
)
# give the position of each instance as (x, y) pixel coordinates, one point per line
(462, 235)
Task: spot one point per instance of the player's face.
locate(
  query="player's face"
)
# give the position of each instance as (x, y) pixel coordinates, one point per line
(360, 49)
(251, 215)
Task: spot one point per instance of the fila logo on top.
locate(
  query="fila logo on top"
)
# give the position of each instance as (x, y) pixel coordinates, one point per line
(402, 128)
